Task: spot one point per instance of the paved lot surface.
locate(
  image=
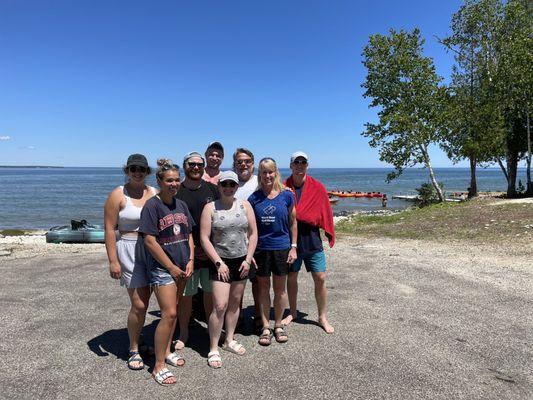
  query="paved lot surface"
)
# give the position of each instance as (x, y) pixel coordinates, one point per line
(413, 321)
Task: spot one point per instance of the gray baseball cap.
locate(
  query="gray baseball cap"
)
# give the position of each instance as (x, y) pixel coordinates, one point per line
(228, 176)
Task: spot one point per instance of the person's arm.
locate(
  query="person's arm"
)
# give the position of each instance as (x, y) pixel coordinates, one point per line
(189, 268)
(111, 210)
(294, 235)
(252, 240)
(205, 239)
(159, 254)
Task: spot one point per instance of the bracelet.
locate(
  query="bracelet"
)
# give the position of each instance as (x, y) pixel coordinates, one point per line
(294, 245)
(247, 262)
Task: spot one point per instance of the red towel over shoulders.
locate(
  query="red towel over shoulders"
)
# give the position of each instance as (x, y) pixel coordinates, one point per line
(313, 207)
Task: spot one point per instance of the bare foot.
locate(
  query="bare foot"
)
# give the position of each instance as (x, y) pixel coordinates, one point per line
(324, 324)
(288, 319)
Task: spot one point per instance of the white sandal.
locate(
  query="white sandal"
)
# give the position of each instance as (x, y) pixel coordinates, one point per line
(234, 347)
(173, 359)
(214, 356)
(162, 375)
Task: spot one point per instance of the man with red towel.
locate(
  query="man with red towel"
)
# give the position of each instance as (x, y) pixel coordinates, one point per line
(313, 212)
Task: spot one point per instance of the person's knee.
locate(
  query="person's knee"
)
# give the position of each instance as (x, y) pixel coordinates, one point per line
(169, 314)
(319, 278)
(139, 307)
(220, 308)
(292, 277)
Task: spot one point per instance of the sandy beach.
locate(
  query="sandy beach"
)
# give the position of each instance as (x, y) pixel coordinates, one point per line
(414, 320)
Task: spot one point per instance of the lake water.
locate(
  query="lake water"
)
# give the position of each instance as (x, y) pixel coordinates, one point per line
(39, 198)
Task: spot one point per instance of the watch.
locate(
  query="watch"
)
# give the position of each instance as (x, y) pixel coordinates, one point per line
(218, 264)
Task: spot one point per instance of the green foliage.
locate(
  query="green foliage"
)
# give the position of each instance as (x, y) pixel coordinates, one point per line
(12, 232)
(427, 194)
(404, 86)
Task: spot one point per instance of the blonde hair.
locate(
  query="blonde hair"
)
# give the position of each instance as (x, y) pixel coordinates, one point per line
(163, 166)
(269, 163)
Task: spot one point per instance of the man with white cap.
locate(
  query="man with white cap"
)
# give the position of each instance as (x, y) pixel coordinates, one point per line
(214, 155)
(313, 212)
(196, 193)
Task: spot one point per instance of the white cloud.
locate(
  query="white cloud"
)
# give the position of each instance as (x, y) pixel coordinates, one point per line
(5, 137)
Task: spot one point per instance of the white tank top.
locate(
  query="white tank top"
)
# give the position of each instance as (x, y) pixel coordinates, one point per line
(129, 217)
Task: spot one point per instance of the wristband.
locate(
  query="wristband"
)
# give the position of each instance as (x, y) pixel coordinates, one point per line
(294, 245)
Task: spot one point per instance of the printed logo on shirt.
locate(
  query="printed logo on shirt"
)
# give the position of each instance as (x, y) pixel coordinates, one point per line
(176, 229)
(269, 210)
(172, 219)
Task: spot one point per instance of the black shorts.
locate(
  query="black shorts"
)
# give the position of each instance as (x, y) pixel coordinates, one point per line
(271, 262)
(234, 274)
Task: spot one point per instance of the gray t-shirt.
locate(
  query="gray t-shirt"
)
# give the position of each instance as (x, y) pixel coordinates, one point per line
(229, 230)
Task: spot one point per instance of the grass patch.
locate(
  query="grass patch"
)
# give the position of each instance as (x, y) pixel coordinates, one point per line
(12, 232)
(478, 220)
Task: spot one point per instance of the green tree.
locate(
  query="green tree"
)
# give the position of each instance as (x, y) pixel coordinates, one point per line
(515, 85)
(403, 84)
(474, 120)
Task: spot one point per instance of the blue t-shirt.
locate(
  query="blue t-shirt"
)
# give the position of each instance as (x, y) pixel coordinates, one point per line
(272, 216)
(171, 226)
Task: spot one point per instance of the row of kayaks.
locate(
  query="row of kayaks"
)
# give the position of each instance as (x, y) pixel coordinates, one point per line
(76, 232)
(343, 194)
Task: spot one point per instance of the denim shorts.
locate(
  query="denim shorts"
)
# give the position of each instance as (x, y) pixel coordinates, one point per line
(315, 262)
(159, 276)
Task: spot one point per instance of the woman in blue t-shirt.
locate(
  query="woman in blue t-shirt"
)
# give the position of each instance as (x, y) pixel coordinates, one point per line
(167, 227)
(276, 248)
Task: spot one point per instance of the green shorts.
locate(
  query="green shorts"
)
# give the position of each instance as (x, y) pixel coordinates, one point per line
(200, 276)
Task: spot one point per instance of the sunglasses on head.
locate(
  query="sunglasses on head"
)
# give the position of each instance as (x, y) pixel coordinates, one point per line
(300, 162)
(241, 162)
(136, 168)
(195, 164)
(228, 183)
(166, 167)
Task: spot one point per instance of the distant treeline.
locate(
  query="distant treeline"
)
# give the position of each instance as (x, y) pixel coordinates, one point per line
(483, 115)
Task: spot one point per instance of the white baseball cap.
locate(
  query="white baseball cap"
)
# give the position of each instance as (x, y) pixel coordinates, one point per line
(299, 154)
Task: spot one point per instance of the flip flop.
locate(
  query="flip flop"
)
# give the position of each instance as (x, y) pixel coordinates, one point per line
(162, 375)
(174, 360)
(135, 357)
(234, 347)
(212, 357)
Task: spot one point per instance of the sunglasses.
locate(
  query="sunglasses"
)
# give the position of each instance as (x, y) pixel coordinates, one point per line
(242, 162)
(136, 168)
(300, 162)
(195, 164)
(166, 167)
(228, 184)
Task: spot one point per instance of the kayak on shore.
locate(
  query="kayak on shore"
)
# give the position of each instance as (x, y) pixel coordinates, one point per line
(77, 232)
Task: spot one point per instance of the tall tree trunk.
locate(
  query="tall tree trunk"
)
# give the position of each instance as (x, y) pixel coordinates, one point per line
(472, 190)
(500, 163)
(512, 167)
(432, 177)
(528, 158)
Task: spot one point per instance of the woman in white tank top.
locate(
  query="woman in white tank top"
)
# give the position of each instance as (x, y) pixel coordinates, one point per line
(126, 253)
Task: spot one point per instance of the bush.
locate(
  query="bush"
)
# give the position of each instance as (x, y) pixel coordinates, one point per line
(427, 195)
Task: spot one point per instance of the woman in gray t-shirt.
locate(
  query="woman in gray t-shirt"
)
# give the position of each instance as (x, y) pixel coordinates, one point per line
(228, 234)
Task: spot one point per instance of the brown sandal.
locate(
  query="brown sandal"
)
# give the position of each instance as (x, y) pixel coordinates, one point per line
(280, 334)
(266, 337)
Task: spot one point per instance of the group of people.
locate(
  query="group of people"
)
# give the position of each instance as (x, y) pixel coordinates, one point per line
(215, 230)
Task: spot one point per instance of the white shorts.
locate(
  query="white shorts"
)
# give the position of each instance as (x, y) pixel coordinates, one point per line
(133, 263)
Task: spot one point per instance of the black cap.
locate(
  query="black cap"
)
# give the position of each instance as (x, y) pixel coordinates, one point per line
(138, 160)
(216, 146)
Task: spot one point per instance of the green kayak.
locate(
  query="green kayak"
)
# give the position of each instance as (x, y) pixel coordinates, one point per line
(77, 232)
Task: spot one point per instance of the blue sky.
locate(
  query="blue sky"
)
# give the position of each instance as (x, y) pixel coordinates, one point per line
(85, 83)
